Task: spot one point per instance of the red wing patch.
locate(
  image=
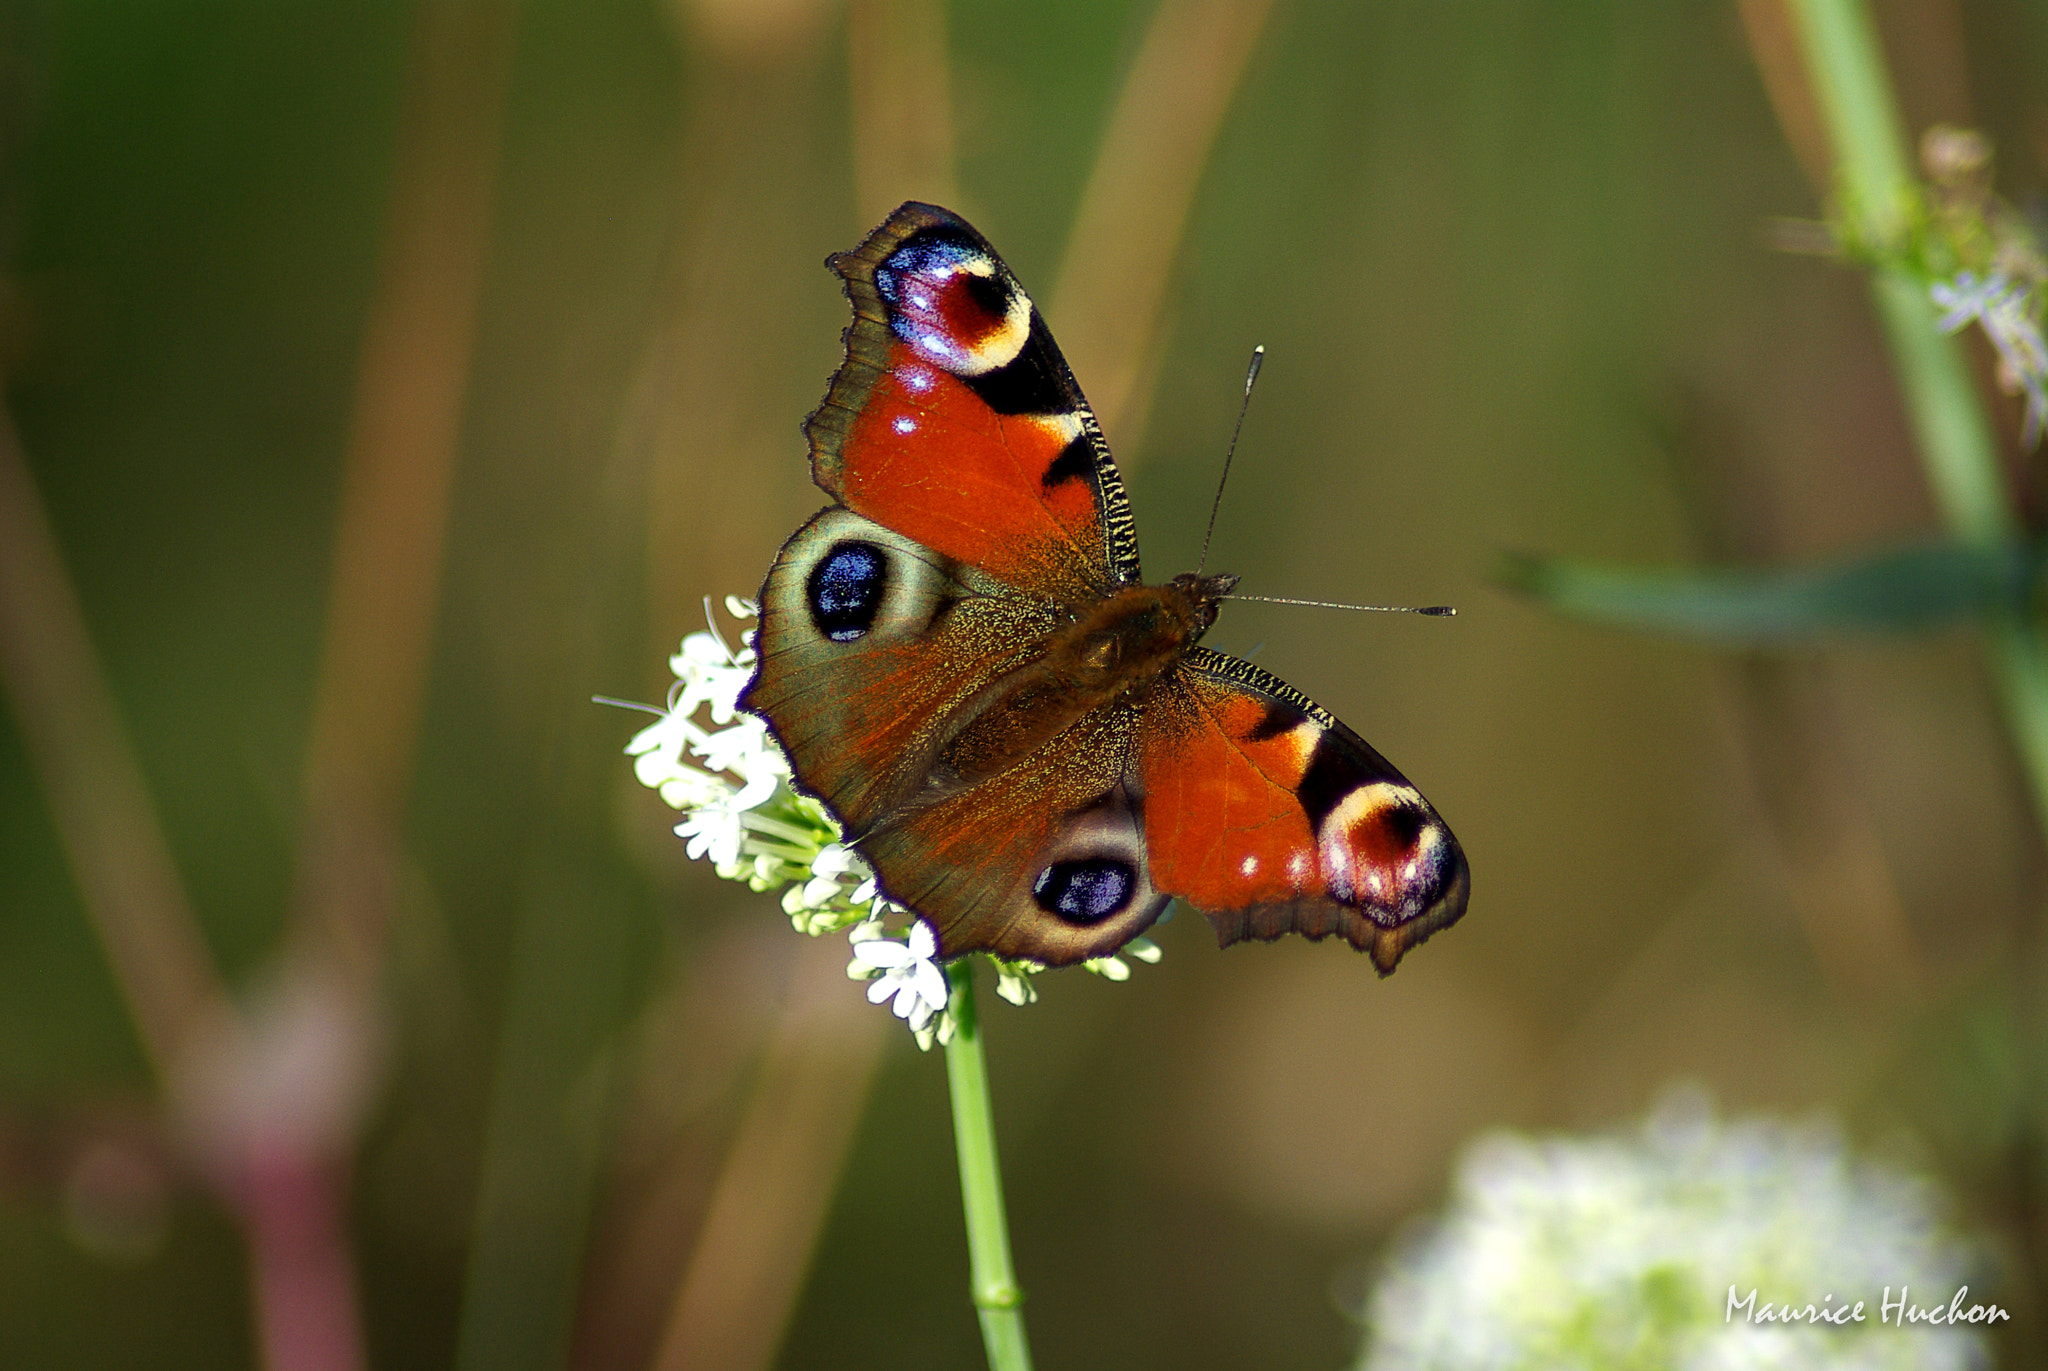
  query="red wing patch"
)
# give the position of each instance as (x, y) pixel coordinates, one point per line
(955, 421)
(929, 458)
(1271, 817)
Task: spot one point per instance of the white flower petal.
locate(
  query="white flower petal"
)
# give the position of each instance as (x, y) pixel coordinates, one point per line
(701, 650)
(884, 953)
(665, 734)
(833, 859)
(930, 983)
(755, 792)
(1144, 949)
(1018, 990)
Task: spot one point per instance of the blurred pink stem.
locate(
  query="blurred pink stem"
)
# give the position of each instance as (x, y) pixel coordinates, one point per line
(290, 1202)
(300, 1270)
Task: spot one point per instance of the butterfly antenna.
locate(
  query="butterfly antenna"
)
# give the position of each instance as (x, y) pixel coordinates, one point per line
(1433, 611)
(1251, 376)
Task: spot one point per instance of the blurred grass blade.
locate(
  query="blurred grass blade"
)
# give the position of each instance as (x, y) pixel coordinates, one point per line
(549, 1099)
(1110, 298)
(1903, 590)
(737, 1292)
(412, 382)
(99, 801)
(900, 80)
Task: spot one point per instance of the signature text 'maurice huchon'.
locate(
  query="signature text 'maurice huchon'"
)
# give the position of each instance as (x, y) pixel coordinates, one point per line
(1888, 1310)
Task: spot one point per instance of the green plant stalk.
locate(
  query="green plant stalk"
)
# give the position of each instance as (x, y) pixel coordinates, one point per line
(1845, 64)
(997, 1298)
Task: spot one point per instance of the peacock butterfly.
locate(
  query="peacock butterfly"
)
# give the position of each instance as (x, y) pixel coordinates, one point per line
(962, 661)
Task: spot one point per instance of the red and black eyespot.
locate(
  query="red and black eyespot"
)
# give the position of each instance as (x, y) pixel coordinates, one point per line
(953, 303)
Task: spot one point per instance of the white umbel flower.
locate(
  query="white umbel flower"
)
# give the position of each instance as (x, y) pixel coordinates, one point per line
(1587, 1253)
(909, 971)
(724, 770)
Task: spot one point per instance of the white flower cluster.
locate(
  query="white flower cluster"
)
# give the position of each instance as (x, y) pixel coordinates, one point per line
(1589, 1253)
(731, 781)
(2008, 311)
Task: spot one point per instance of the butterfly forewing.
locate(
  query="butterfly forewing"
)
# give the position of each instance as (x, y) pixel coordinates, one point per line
(955, 421)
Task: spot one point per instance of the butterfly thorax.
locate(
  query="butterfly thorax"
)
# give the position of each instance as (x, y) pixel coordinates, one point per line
(1123, 643)
(1112, 651)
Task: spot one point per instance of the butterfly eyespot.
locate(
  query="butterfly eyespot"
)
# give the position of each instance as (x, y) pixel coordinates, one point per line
(845, 590)
(1383, 851)
(955, 306)
(1085, 891)
(909, 275)
(990, 295)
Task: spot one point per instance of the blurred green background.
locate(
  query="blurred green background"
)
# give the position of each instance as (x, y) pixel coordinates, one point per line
(1512, 268)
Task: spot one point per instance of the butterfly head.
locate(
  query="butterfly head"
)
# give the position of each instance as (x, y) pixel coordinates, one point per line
(1203, 594)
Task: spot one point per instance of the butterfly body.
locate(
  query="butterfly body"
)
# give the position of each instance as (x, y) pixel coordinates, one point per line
(1112, 654)
(963, 661)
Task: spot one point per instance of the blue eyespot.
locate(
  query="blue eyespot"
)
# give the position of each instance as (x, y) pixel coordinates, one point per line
(1086, 891)
(845, 590)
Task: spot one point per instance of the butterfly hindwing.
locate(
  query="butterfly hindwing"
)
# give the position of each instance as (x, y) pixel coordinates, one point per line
(1271, 817)
(869, 643)
(1044, 862)
(955, 421)
(880, 665)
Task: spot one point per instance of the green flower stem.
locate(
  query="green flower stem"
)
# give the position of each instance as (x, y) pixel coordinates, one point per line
(997, 1298)
(1955, 439)
(1846, 67)
(1957, 448)
(804, 837)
